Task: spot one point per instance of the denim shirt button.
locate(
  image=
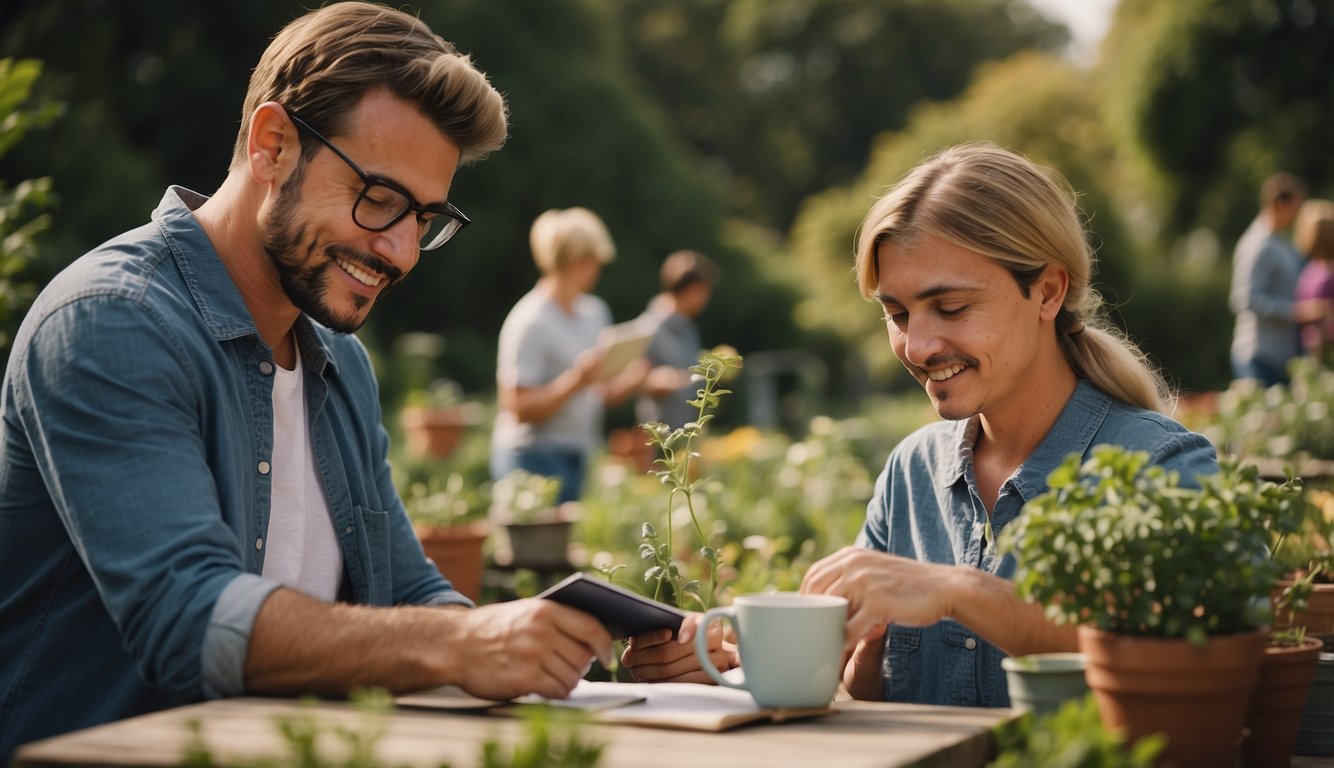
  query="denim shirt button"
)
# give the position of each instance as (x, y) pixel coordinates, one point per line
(265, 367)
(259, 544)
(970, 643)
(263, 467)
(348, 530)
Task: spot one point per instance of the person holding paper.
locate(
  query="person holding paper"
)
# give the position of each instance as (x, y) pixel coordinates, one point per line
(550, 377)
(687, 279)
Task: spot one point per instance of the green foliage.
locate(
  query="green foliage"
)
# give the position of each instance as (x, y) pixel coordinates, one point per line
(22, 216)
(1071, 737)
(1290, 422)
(677, 448)
(769, 504)
(1118, 544)
(787, 96)
(1216, 94)
(552, 739)
(523, 497)
(433, 503)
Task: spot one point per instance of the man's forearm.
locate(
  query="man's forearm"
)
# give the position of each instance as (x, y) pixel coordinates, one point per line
(988, 605)
(302, 645)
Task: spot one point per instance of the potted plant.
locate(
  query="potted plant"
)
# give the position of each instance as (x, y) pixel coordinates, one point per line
(435, 419)
(1168, 585)
(534, 531)
(1286, 673)
(1042, 682)
(449, 520)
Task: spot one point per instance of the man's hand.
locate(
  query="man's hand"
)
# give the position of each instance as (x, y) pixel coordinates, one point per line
(526, 646)
(655, 657)
(881, 589)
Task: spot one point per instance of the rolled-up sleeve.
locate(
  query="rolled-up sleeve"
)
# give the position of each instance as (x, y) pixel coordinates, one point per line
(227, 639)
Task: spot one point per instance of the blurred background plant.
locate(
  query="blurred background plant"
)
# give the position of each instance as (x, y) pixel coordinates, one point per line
(23, 207)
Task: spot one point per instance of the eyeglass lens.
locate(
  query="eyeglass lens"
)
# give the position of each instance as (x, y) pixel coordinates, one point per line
(379, 207)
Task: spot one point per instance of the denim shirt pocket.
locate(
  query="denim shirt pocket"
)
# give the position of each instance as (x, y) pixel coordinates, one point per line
(903, 666)
(959, 679)
(370, 576)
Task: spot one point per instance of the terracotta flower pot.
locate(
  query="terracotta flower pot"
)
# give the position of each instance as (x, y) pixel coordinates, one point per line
(1197, 695)
(457, 553)
(435, 432)
(1318, 618)
(1277, 704)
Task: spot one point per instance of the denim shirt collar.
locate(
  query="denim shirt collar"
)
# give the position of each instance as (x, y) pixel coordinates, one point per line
(1072, 433)
(220, 303)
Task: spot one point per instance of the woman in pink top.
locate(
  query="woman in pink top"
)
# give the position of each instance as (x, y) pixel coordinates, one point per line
(1314, 237)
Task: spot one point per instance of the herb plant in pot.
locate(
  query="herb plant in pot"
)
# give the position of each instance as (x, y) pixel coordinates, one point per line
(435, 419)
(534, 531)
(1169, 586)
(449, 520)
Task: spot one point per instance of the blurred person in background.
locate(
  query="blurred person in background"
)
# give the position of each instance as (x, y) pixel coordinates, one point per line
(549, 365)
(195, 499)
(687, 279)
(1265, 266)
(1313, 234)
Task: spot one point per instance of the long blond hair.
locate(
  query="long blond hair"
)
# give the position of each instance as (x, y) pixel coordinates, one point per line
(1003, 206)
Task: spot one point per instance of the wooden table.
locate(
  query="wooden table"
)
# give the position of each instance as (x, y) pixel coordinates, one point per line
(860, 734)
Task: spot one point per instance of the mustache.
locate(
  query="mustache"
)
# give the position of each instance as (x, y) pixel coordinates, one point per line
(368, 261)
(944, 361)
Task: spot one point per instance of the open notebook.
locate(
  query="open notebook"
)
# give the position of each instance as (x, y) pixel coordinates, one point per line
(683, 706)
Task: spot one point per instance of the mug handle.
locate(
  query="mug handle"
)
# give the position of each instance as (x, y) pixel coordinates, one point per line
(702, 644)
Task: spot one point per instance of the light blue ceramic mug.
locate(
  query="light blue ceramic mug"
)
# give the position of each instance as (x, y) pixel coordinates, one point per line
(791, 647)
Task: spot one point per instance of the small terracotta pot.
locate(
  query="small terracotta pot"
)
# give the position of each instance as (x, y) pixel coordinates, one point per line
(1277, 703)
(435, 432)
(1318, 618)
(1197, 695)
(457, 554)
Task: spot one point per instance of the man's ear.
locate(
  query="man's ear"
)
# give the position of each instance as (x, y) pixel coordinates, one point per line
(1052, 287)
(272, 145)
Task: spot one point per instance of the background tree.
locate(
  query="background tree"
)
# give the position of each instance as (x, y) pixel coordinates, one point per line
(23, 214)
(785, 96)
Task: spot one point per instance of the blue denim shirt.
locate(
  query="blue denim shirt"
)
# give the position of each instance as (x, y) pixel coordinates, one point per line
(926, 507)
(135, 486)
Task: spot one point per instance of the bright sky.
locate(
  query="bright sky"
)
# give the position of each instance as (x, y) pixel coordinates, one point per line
(1088, 21)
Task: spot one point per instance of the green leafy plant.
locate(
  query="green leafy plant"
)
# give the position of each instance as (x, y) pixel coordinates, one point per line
(1289, 422)
(23, 206)
(433, 503)
(1117, 544)
(677, 449)
(1071, 737)
(551, 739)
(523, 497)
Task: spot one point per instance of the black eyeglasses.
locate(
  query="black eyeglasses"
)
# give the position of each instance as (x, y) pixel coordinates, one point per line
(383, 203)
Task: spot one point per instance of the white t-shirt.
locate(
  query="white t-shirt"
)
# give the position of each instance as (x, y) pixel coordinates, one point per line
(301, 548)
(538, 342)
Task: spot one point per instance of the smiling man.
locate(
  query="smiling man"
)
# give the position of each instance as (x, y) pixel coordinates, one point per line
(981, 265)
(195, 499)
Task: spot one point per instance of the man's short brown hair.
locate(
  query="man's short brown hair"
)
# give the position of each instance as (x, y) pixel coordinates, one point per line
(682, 269)
(322, 64)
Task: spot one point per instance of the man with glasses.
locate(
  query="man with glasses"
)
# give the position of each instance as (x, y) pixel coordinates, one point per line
(195, 500)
